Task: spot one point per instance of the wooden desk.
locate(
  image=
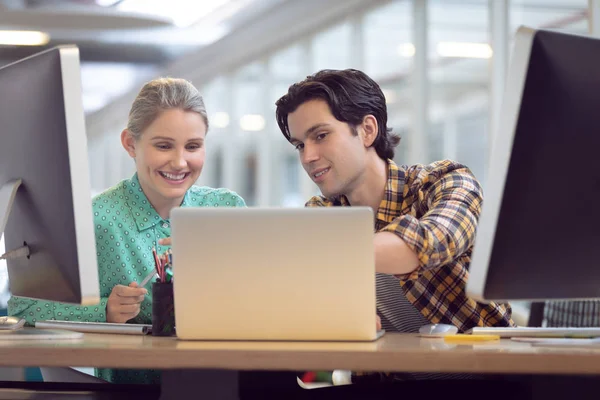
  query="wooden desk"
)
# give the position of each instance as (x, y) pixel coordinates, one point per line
(393, 352)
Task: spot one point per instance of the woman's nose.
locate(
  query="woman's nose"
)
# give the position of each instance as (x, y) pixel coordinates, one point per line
(179, 161)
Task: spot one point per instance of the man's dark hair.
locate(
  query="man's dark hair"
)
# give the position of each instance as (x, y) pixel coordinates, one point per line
(351, 96)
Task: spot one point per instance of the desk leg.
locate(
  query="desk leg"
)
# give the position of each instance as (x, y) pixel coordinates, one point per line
(200, 384)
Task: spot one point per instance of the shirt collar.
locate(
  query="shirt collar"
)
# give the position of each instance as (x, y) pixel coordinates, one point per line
(392, 199)
(143, 213)
(391, 204)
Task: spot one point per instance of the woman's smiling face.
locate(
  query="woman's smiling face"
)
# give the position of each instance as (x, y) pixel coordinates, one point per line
(169, 155)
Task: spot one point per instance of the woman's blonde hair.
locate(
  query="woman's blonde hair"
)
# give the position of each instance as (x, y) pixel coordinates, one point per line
(163, 94)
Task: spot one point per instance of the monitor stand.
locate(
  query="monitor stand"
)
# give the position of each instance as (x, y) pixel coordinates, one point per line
(8, 191)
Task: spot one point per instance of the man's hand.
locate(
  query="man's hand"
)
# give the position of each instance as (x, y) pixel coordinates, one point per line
(124, 302)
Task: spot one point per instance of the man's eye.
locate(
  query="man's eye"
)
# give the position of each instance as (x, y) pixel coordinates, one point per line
(299, 146)
(163, 146)
(321, 136)
(193, 147)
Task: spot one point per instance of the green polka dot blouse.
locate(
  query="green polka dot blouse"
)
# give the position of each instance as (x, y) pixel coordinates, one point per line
(127, 227)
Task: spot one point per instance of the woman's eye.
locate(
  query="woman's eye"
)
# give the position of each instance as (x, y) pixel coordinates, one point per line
(163, 146)
(299, 146)
(193, 147)
(321, 136)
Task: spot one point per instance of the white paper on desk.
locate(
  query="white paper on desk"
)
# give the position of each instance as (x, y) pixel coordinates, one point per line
(559, 342)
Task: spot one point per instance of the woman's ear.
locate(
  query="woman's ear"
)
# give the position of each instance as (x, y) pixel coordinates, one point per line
(369, 129)
(128, 142)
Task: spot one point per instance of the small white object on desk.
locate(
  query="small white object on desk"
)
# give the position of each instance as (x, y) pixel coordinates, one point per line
(341, 377)
(437, 330)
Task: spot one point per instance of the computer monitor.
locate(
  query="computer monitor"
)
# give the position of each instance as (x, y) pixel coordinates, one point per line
(538, 236)
(45, 197)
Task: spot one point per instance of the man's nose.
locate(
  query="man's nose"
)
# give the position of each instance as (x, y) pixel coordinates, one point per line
(309, 154)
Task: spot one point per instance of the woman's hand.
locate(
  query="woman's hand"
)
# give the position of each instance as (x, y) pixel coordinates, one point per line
(124, 302)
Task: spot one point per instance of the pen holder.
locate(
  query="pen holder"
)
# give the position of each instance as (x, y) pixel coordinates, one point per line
(163, 309)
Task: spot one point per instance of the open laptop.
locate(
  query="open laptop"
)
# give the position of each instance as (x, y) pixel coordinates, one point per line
(274, 274)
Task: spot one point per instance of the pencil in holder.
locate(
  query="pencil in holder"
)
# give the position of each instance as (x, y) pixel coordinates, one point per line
(163, 309)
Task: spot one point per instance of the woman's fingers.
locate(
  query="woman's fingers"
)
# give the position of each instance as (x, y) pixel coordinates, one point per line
(165, 241)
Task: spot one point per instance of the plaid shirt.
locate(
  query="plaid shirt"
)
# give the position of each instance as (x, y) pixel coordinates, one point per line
(578, 313)
(434, 209)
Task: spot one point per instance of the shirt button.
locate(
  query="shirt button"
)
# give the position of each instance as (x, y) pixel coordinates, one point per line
(165, 225)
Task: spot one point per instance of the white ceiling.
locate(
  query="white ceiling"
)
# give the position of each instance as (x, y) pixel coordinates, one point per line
(121, 47)
(123, 43)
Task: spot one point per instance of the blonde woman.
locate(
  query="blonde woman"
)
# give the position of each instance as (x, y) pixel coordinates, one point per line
(165, 136)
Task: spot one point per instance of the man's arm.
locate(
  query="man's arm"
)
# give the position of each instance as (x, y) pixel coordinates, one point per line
(441, 235)
(392, 255)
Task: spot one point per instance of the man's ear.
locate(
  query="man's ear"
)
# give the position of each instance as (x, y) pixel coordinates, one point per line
(369, 130)
(128, 142)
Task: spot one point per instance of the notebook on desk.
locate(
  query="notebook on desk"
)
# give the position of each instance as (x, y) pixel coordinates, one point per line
(274, 274)
(536, 332)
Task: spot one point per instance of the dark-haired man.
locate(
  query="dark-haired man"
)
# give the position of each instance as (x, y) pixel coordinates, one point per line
(425, 215)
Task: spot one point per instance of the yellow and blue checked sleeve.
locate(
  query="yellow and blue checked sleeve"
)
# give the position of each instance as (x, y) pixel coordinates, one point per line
(444, 224)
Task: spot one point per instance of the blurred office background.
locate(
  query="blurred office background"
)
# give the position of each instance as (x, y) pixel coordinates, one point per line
(441, 64)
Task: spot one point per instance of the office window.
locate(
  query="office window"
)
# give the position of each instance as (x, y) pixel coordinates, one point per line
(97, 160)
(567, 15)
(249, 182)
(435, 142)
(387, 41)
(249, 111)
(290, 182)
(469, 128)
(217, 171)
(217, 100)
(459, 57)
(286, 67)
(248, 99)
(388, 52)
(331, 48)
(401, 153)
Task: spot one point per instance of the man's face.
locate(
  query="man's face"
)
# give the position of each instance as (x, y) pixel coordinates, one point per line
(332, 156)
